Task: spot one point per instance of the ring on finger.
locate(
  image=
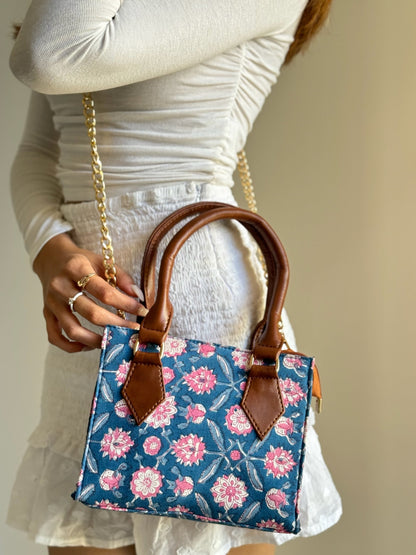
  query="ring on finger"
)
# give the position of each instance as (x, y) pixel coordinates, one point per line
(82, 282)
(72, 300)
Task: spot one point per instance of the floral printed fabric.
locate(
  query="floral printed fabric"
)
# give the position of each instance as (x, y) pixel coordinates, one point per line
(196, 456)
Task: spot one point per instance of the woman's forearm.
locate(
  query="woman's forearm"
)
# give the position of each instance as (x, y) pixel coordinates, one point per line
(72, 46)
(35, 190)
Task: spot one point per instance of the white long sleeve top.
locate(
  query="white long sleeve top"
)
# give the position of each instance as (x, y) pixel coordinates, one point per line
(178, 86)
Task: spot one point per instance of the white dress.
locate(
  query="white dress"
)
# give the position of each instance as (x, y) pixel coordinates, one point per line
(180, 84)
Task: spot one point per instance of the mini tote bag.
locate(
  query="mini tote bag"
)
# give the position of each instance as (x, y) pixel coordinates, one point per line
(188, 429)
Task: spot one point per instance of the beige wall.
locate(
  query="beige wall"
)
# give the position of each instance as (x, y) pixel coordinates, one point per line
(333, 156)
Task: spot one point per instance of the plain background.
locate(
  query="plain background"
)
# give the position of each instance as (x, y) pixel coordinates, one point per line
(333, 157)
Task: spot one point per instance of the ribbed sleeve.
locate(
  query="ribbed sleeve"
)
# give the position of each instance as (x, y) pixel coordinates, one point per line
(36, 193)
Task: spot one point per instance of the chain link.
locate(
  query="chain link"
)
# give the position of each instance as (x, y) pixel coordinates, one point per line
(100, 196)
(248, 188)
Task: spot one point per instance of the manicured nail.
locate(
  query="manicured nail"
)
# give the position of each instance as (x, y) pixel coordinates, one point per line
(138, 292)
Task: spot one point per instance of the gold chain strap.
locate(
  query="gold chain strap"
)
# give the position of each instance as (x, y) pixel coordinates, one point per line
(99, 188)
(248, 188)
(100, 196)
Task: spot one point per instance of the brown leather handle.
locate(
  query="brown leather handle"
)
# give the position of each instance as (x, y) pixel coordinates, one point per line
(262, 399)
(148, 272)
(148, 269)
(156, 324)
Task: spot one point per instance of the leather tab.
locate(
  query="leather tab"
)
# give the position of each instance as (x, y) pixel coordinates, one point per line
(262, 401)
(144, 389)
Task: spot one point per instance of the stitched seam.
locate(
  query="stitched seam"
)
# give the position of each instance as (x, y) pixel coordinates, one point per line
(127, 397)
(252, 417)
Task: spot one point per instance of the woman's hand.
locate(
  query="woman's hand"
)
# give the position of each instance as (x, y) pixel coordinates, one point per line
(59, 265)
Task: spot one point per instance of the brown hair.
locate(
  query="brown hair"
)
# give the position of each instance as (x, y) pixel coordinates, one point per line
(313, 17)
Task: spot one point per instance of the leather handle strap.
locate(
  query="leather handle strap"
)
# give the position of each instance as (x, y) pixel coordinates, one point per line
(148, 269)
(156, 324)
(262, 401)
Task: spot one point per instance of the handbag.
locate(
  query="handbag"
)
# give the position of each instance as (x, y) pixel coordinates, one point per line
(206, 432)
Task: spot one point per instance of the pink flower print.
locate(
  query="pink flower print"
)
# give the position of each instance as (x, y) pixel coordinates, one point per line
(237, 421)
(235, 455)
(206, 350)
(277, 526)
(163, 413)
(229, 492)
(279, 462)
(243, 385)
(196, 413)
(241, 358)
(146, 482)
(284, 426)
(106, 338)
(174, 347)
(184, 487)
(121, 409)
(201, 380)
(168, 374)
(133, 340)
(292, 362)
(106, 504)
(152, 445)
(275, 499)
(116, 444)
(178, 509)
(110, 480)
(292, 392)
(189, 449)
(122, 371)
(81, 476)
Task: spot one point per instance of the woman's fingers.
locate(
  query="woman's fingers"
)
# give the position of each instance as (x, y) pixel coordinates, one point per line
(98, 315)
(125, 282)
(111, 296)
(55, 337)
(75, 332)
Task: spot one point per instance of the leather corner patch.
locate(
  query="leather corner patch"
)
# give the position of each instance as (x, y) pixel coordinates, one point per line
(144, 389)
(262, 401)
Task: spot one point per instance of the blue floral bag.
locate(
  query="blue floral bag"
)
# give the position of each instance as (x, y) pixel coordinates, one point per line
(187, 429)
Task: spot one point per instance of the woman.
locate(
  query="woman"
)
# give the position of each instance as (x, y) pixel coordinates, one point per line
(179, 84)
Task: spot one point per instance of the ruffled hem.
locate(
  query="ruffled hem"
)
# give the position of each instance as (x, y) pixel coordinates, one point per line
(41, 505)
(62, 444)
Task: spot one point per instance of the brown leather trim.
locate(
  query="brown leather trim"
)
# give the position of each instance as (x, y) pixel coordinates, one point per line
(144, 388)
(262, 400)
(316, 387)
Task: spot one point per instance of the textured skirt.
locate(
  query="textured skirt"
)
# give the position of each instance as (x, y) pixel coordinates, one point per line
(218, 295)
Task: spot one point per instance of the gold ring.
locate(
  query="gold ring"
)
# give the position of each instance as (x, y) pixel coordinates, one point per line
(85, 279)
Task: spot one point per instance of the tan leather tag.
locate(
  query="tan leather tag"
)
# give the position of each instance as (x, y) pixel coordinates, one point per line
(262, 401)
(144, 389)
(316, 387)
